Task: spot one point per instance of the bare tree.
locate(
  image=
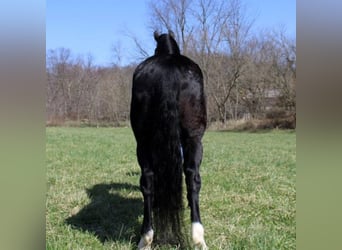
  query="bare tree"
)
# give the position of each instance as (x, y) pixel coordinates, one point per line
(268, 84)
(173, 15)
(285, 69)
(245, 74)
(224, 33)
(58, 72)
(213, 33)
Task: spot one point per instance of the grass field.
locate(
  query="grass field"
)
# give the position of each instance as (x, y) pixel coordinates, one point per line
(248, 195)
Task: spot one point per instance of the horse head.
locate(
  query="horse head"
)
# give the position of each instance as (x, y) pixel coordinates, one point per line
(166, 44)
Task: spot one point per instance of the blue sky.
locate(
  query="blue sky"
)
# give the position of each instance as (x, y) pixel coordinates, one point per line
(93, 27)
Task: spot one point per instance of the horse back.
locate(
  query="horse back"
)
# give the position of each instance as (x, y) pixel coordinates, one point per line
(176, 75)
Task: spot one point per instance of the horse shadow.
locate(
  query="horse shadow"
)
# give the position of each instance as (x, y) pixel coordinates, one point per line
(110, 216)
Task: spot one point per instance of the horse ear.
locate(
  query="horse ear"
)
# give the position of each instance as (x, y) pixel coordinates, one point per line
(171, 34)
(156, 35)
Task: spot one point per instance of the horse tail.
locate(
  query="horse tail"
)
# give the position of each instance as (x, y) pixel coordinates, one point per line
(167, 162)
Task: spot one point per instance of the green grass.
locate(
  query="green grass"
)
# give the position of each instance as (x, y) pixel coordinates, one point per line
(248, 194)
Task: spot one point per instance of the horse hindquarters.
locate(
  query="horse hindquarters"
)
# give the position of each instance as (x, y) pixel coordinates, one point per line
(155, 122)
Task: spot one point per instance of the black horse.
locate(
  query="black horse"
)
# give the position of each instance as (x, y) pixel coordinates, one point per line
(168, 118)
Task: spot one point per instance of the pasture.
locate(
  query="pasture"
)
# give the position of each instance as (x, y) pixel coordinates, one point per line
(247, 200)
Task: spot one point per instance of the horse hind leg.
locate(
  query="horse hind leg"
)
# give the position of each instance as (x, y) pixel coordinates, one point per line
(146, 187)
(146, 240)
(192, 160)
(146, 183)
(197, 232)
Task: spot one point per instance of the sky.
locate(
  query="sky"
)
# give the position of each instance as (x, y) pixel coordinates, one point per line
(95, 27)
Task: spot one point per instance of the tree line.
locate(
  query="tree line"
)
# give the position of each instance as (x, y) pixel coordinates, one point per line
(247, 74)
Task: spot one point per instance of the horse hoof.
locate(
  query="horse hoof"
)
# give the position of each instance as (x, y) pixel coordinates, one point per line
(202, 246)
(198, 236)
(146, 241)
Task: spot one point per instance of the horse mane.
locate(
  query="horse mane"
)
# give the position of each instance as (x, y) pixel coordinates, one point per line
(166, 44)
